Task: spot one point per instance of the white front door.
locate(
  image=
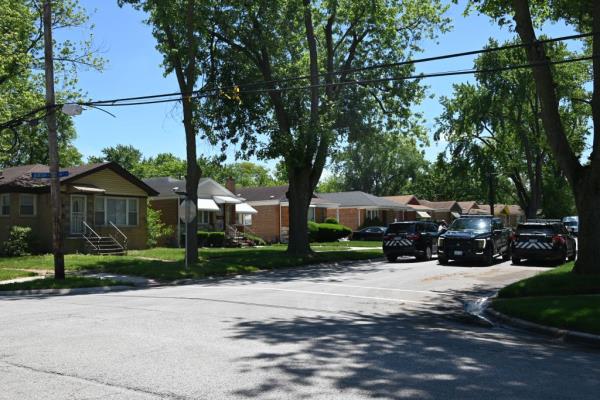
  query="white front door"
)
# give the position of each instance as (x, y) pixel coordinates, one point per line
(78, 212)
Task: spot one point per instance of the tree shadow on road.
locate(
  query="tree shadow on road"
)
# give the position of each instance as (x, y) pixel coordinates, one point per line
(433, 353)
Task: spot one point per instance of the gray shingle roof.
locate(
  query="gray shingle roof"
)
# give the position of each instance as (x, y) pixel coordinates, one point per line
(360, 199)
(263, 193)
(207, 187)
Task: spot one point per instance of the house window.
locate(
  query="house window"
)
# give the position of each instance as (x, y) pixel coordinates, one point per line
(27, 205)
(372, 215)
(204, 217)
(99, 214)
(118, 210)
(311, 214)
(244, 219)
(5, 205)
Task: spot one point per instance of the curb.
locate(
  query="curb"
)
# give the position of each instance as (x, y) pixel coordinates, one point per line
(41, 292)
(557, 333)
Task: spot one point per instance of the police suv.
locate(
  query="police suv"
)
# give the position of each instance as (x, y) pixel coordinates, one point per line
(411, 238)
(543, 240)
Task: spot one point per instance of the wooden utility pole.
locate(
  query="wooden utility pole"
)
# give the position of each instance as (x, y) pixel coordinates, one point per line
(57, 240)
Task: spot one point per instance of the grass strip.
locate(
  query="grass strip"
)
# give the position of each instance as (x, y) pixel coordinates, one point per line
(67, 283)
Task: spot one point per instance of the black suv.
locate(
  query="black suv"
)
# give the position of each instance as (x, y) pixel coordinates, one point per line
(543, 240)
(411, 238)
(480, 237)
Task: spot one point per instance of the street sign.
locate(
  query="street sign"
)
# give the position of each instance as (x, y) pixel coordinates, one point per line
(187, 211)
(46, 175)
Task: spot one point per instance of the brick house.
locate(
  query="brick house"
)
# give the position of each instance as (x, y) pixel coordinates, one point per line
(356, 209)
(415, 210)
(511, 214)
(99, 202)
(219, 209)
(271, 222)
(443, 210)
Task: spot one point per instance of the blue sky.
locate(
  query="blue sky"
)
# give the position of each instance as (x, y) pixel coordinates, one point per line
(133, 68)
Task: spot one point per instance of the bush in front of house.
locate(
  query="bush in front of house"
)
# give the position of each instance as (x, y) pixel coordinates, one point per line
(327, 232)
(156, 228)
(332, 220)
(18, 243)
(211, 239)
(256, 240)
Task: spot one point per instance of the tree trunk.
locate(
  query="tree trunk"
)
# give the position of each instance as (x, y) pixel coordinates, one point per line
(191, 181)
(587, 199)
(299, 196)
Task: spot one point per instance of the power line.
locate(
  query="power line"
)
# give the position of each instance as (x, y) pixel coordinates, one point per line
(201, 93)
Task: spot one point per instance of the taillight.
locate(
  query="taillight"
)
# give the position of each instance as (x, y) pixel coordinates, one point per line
(513, 237)
(414, 236)
(388, 237)
(558, 240)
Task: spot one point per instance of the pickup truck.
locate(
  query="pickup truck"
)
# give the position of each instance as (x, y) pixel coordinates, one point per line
(479, 238)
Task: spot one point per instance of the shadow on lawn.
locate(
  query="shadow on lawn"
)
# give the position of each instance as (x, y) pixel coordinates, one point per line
(412, 354)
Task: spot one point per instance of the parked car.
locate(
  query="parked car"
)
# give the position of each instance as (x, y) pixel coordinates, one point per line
(543, 240)
(370, 233)
(411, 238)
(475, 238)
(572, 224)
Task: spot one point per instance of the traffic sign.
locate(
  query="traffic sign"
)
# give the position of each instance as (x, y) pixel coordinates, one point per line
(187, 211)
(46, 175)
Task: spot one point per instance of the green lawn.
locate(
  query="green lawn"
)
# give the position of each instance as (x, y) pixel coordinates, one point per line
(167, 264)
(350, 243)
(580, 313)
(559, 281)
(68, 283)
(6, 274)
(557, 298)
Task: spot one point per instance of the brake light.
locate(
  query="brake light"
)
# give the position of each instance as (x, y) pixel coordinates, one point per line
(514, 237)
(414, 236)
(558, 240)
(388, 237)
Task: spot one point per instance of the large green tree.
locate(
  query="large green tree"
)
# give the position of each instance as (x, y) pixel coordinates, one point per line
(21, 78)
(268, 40)
(499, 116)
(583, 176)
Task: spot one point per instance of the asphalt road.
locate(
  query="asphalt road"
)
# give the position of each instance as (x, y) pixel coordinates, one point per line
(367, 331)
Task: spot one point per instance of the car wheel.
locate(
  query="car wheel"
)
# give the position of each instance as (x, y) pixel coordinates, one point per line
(392, 258)
(442, 260)
(516, 261)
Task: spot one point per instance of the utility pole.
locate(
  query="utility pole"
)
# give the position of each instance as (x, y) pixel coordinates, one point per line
(57, 240)
(492, 192)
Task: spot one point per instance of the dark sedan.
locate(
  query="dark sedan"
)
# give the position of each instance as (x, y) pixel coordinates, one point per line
(370, 233)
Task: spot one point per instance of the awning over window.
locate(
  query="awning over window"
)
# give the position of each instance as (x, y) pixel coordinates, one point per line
(455, 214)
(245, 208)
(207, 205)
(226, 200)
(423, 214)
(89, 189)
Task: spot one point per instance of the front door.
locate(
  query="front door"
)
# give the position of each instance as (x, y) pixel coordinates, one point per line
(78, 210)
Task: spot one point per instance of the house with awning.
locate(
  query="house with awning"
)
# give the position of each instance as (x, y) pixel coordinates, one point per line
(414, 209)
(103, 207)
(511, 214)
(219, 209)
(272, 220)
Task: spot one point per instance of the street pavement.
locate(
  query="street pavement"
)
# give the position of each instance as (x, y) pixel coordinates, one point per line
(366, 331)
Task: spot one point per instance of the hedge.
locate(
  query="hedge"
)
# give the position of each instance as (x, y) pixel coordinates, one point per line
(327, 232)
(211, 239)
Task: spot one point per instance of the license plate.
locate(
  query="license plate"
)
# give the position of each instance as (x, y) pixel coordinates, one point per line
(458, 252)
(399, 238)
(533, 240)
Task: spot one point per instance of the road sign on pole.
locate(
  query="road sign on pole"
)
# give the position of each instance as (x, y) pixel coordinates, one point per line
(187, 213)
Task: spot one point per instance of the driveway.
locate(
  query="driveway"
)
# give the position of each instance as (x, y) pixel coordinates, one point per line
(367, 331)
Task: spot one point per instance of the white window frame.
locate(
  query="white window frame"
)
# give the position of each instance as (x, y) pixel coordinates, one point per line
(4, 201)
(372, 215)
(127, 199)
(34, 202)
(244, 219)
(204, 217)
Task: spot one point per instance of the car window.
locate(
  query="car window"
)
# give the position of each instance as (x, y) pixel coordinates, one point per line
(535, 229)
(402, 227)
(471, 224)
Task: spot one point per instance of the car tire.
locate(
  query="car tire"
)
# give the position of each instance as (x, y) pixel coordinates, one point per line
(516, 261)
(442, 260)
(391, 258)
(507, 254)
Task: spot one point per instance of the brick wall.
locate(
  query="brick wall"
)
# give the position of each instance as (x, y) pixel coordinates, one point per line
(265, 223)
(349, 217)
(168, 216)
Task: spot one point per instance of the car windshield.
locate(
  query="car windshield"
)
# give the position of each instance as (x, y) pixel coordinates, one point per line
(571, 223)
(471, 224)
(401, 228)
(535, 229)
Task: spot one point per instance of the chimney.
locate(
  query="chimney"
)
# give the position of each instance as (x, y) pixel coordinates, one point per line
(230, 184)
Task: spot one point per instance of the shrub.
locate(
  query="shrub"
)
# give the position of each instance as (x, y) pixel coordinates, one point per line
(216, 239)
(156, 229)
(327, 232)
(313, 230)
(18, 243)
(331, 220)
(203, 239)
(256, 240)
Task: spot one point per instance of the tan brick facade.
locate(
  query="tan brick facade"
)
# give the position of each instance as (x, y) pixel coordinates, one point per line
(265, 223)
